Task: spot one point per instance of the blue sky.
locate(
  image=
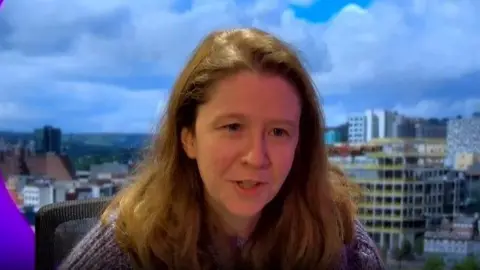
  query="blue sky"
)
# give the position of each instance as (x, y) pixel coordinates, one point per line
(103, 66)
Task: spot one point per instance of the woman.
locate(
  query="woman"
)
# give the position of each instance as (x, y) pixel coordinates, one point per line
(237, 177)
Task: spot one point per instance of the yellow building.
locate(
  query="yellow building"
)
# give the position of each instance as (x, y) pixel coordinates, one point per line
(393, 174)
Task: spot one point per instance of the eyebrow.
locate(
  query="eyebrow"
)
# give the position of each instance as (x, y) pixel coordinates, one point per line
(289, 122)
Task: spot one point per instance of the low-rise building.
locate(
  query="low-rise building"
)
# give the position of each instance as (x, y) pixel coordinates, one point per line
(109, 171)
(93, 189)
(454, 240)
(38, 194)
(332, 137)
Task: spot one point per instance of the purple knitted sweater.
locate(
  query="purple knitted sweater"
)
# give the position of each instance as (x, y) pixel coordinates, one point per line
(99, 250)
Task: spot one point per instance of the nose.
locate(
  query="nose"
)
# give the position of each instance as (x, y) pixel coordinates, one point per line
(257, 153)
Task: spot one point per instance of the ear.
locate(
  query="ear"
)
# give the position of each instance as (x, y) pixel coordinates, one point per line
(188, 143)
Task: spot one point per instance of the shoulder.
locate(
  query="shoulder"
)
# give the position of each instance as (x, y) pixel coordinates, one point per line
(362, 253)
(97, 250)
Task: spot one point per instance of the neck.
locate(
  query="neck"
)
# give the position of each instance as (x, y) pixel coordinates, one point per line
(232, 225)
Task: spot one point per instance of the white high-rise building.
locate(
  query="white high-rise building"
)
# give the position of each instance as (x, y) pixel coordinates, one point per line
(372, 125)
(356, 129)
(379, 124)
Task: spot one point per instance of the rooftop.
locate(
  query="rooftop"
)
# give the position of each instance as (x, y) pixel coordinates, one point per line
(58, 167)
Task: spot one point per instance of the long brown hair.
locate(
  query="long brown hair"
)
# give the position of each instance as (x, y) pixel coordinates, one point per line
(160, 217)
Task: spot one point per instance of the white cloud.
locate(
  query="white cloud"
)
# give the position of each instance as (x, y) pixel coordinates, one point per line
(402, 41)
(49, 54)
(116, 108)
(427, 108)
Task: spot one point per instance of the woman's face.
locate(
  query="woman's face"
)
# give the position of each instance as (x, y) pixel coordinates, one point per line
(245, 140)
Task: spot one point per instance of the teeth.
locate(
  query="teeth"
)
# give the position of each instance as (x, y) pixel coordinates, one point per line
(247, 184)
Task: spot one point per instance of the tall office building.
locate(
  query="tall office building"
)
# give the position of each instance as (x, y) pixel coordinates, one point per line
(48, 139)
(403, 127)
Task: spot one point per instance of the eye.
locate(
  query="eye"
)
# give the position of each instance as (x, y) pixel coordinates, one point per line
(232, 127)
(279, 132)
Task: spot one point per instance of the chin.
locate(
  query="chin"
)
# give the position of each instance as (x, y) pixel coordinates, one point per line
(245, 210)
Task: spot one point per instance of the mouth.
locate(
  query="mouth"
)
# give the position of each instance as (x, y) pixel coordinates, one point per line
(248, 184)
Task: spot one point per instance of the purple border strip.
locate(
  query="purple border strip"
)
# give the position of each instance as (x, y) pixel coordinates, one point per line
(17, 244)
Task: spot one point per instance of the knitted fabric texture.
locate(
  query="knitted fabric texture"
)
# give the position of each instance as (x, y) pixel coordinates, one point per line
(99, 250)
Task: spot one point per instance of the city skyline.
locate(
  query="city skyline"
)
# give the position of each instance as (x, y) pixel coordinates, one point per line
(106, 67)
(345, 123)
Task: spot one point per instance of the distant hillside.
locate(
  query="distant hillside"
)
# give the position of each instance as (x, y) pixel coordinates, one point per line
(84, 155)
(108, 139)
(15, 137)
(119, 140)
(86, 149)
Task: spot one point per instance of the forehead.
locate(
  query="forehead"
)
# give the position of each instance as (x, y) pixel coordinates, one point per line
(255, 94)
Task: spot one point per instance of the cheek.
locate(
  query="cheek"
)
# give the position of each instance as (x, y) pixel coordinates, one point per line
(283, 161)
(214, 158)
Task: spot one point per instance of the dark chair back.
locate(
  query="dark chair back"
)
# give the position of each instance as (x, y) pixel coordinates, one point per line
(60, 226)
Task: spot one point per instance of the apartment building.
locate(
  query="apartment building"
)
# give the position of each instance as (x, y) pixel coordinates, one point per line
(463, 136)
(394, 174)
(38, 194)
(454, 240)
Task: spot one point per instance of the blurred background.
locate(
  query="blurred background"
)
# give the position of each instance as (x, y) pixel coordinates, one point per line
(83, 84)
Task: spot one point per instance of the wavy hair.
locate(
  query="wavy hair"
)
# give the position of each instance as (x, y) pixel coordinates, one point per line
(160, 217)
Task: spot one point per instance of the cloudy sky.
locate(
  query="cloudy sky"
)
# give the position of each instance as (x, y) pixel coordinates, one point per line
(98, 66)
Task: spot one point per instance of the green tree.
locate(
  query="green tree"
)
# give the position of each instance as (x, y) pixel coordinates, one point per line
(434, 263)
(469, 263)
(403, 253)
(418, 246)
